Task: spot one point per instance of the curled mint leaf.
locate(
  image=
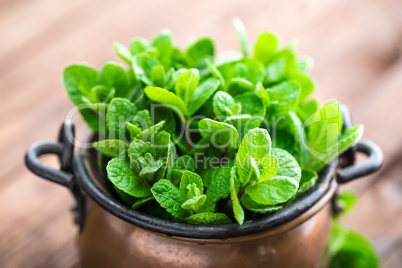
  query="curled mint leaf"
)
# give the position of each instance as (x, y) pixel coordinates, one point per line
(251, 205)
(288, 165)
(191, 185)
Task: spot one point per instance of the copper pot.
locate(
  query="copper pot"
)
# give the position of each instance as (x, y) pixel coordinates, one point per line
(113, 235)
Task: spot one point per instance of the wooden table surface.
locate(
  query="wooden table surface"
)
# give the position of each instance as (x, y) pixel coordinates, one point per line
(357, 49)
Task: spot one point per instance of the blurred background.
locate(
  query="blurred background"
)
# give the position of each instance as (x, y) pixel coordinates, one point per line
(356, 45)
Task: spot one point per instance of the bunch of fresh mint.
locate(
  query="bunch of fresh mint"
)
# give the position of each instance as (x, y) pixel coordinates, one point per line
(195, 139)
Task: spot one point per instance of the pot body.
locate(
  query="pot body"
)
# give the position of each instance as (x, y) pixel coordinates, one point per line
(107, 241)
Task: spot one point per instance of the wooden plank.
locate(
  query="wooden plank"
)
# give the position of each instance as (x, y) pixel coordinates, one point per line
(378, 213)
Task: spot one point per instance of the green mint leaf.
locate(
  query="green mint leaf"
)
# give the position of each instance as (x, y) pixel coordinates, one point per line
(256, 144)
(308, 180)
(163, 42)
(237, 208)
(149, 133)
(215, 72)
(150, 170)
(218, 187)
(121, 175)
(349, 137)
(252, 105)
(168, 196)
(133, 129)
(200, 50)
(288, 165)
(208, 218)
(187, 179)
(274, 191)
(222, 104)
(122, 52)
(185, 162)
(304, 64)
(168, 98)
(142, 120)
(260, 92)
(118, 113)
(165, 150)
(265, 47)
(194, 203)
(186, 84)
(101, 93)
(307, 108)
(111, 148)
(202, 93)
(251, 205)
(140, 202)
(218, 133)
(280, 65)
(269, 166)
(138, 45)
(78, 81)
(137, 149)
(241, 31)
(142, 66)
(115, 76)
(347, 200)
(284, 94)
(306, 84)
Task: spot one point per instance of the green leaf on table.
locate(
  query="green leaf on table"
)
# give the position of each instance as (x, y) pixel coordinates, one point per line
(237, 208)
(202, 93)
(347, 200)
(111, 148)
(256, 144)
(186, 84)
(251, 205)
(265, 47)
(288, 165)
(208, 218)
(168, 196)
(168, 98)
(348, 248)
(79, 80)
(218, 133)
(121, 175)
(118, 113)
(276, 190)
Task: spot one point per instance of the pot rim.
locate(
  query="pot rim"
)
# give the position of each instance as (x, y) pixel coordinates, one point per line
(88, 178)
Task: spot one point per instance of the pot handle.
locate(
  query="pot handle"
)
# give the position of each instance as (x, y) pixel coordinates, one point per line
(64, 148)
(369, 166)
